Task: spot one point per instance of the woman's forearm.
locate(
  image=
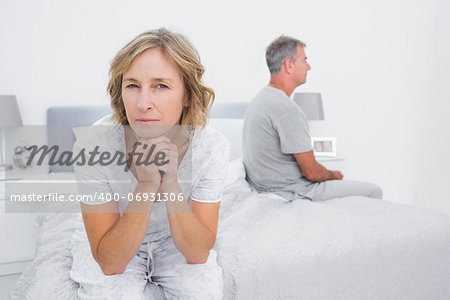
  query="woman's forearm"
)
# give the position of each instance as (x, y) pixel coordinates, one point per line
(190, 236)
(119, 245)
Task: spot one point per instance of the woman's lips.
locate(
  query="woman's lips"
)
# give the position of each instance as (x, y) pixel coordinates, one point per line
(147, 121)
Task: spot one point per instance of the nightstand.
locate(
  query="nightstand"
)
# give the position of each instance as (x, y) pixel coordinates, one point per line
(18, 232)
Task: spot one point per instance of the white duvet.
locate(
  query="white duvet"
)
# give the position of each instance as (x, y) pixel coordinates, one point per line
(347, 248)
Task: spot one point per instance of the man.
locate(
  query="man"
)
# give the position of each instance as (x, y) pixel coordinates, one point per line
(278, 155)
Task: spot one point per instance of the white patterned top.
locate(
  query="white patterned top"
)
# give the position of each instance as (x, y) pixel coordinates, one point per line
(201, 173)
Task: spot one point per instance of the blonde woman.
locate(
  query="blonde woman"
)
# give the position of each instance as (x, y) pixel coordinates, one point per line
(125, 249)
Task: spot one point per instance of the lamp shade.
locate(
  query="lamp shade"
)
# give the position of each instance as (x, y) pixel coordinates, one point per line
(311, 105)
(9, 112)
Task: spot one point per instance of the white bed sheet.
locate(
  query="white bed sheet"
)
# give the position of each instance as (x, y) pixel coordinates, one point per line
(347, 248)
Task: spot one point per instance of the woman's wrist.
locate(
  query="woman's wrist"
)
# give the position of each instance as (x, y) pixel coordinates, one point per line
(169, 186)
(150, 186)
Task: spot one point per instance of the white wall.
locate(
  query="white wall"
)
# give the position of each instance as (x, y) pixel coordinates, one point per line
(381, 66)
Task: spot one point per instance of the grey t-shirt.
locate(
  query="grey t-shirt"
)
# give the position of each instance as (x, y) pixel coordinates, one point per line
(275, 128)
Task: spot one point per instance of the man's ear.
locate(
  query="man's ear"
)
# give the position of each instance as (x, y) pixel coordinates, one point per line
(288, 66)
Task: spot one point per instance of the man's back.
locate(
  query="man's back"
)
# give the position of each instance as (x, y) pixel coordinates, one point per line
(277, 145)
(274, 129)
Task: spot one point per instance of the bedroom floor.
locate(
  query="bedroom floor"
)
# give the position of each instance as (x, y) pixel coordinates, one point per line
(6, 283)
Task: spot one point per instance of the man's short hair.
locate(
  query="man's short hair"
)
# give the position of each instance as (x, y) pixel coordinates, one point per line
(279, 50)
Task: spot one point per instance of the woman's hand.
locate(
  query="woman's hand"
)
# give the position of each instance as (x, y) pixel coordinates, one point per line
(146, 159)
(170, 169)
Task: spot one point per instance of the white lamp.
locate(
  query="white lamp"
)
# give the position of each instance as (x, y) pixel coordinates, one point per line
(9, 117)
(311, 105)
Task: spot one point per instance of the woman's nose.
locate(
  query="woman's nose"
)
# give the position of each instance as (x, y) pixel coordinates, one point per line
(145, 101)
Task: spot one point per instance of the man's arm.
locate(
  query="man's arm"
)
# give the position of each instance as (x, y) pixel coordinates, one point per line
(314, 171)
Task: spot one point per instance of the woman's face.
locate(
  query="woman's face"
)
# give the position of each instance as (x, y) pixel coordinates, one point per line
(153, 90)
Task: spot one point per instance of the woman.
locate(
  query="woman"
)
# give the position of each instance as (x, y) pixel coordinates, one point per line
(124, 249)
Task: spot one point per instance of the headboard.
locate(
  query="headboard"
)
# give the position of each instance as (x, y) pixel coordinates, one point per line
(61, 120)
(228, 118)
(230, 110)
(225, 117)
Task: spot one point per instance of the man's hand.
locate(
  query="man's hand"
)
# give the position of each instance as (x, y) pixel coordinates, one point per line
(337, 175)
(314, 171)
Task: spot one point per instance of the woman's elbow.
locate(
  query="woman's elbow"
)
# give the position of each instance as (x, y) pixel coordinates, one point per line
(111, 270)
(196, 260)
(200, 256)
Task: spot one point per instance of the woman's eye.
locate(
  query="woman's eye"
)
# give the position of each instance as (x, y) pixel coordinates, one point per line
(162, 86)
(132, 85)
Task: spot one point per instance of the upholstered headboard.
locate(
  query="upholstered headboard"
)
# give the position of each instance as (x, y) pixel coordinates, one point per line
(229, 119)
(225, 117)
(61, 120)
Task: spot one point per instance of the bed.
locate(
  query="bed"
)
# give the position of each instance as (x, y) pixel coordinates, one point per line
(346, 248)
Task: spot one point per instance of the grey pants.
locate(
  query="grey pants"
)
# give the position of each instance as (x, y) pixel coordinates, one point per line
(157, 271)
(343, 188)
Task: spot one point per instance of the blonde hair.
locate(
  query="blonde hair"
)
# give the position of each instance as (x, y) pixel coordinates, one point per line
(178, 50)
